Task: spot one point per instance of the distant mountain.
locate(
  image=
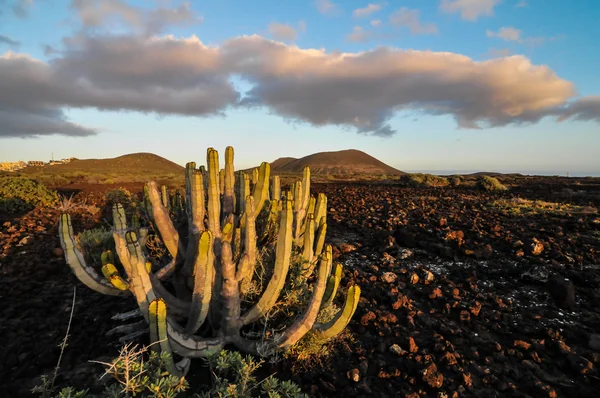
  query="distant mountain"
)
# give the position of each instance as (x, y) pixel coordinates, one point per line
(134, 163)
(350, 161)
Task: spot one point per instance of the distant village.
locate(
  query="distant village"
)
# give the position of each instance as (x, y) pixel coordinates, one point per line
(14, 166)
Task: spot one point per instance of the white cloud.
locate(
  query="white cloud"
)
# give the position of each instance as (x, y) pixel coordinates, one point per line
(470, 10)
(326, 7)
(361, 91)
(101, 13)
(410, 19)
(366, 11)
(283, 32)
(359, 35)
(376, 22)
(508, 33)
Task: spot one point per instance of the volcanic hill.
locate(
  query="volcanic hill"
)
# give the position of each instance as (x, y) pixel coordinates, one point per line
(349, 161)
(133, 163)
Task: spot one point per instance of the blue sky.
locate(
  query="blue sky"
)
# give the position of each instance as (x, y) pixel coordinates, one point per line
(401, 118)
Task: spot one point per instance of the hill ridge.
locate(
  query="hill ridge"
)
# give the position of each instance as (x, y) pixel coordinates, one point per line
(346, 161)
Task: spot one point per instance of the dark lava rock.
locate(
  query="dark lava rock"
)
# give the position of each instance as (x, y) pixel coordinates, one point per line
(562, 291)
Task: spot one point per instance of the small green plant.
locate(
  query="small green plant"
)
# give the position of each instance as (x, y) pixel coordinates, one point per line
(95, 241)
(424, 180)
(456, 181)
(22, 194)
(233, 376)
(119, 195)
(490, 184)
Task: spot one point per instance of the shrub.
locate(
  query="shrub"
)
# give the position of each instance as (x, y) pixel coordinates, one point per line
(95, 241)
(21, 194)
(119, 195)
(427, 180)
(142, 372)
(456, 181)
(490, 184)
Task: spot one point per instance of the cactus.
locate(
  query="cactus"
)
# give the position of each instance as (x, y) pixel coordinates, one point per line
(213, 262)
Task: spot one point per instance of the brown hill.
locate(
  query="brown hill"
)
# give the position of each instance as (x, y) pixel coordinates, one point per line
(350, 161)
(134, 163)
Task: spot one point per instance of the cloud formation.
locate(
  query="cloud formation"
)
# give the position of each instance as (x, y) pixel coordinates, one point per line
(283, 32)
(21, 8)
(469, 10)
(366, 11)
(360, 91)
(410, 19)
(9, 41)
(327, 7)
(508, 33)
(359, 35)
(102, 13)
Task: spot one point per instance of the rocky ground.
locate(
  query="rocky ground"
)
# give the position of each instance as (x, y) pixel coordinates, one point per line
(461, 295)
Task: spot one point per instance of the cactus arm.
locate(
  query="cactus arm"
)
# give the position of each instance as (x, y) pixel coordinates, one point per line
(243, 190)
(312, 202)
(164, 196)
(309, 239)
(221, 181)
(341, 320)
(255, 176)
(142, 236)
(168, 233)
(248, 261)
(194, 198)
(305, 322)
(283, 253)
(306, 189)
(76, 261)
(228, 184)
(110, 272)
(140, 279)
(203, 267)
(162, 332)
(320, 238)
(299, 211)
(166, 270)
(332, 286)
(157, 311)
(276, 188)
(321, 210)
(261, 189)
(214, 202)
(230, 294)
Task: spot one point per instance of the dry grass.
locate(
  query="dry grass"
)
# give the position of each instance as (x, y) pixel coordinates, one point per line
(527, 206)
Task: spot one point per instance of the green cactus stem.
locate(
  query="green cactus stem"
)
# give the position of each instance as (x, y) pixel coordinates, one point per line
(306, 321)
(228, 182)
(332, 286)
(275, 188)
(203, 279)
(261, 188)
(342, 318)
(76, 261)
(282, 264)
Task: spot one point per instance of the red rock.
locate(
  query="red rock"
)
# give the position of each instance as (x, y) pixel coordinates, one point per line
(432, 377)
(412, 346)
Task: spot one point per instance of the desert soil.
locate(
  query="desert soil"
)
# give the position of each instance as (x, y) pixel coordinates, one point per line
(459, 298)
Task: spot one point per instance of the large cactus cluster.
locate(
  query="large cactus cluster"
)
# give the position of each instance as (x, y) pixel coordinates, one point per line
(227, 224)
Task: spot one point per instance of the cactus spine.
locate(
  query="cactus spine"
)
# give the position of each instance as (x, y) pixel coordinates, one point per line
(213, 261)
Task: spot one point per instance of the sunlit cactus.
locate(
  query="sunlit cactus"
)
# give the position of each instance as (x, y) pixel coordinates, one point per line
(204, 295)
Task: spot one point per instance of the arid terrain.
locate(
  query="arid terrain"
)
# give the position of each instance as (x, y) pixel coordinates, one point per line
(466, 293)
